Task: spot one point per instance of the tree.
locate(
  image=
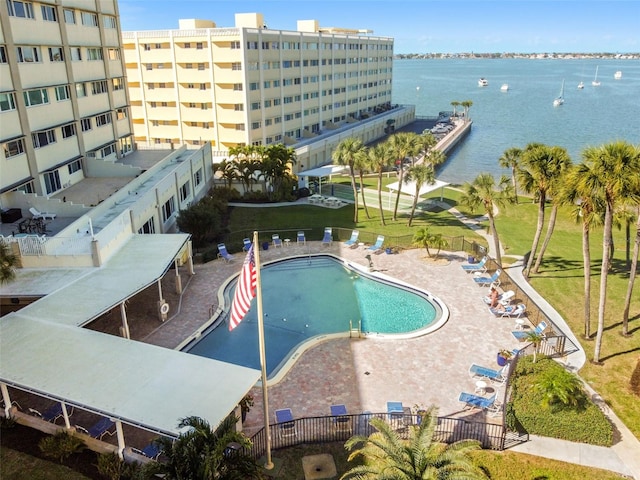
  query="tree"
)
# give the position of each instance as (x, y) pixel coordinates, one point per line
(539, 169)
(362, 164)
(632, 277)
(203, 220)
(203, 454)
(616, 167)
(558, 386)
(8, 263)
(227, 169)
(510, 159)
(347, 153)
(404, 144)
(426, 142)
(380, 157)
(420, 174)
(536, 338)
(467, 105)
(455, 104)
(484, 192)
(387, 456)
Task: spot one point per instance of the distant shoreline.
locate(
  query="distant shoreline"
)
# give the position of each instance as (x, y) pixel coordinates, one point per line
(532, 56)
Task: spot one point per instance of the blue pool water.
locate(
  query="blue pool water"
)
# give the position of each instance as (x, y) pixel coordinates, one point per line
(311, 296)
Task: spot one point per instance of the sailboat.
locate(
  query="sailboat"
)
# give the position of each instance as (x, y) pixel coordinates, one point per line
(580, 85)
(595, 82)
(559, 100)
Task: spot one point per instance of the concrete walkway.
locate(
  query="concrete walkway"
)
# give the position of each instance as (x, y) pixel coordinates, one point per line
(624, 456)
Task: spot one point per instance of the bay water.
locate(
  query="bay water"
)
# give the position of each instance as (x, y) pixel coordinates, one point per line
(525, 113)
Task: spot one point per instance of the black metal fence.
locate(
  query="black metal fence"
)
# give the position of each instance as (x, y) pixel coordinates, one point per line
(333, 429)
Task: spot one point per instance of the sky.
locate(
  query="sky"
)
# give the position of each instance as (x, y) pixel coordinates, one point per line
(427, 26)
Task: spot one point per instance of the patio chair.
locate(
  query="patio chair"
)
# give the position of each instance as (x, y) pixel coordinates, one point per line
(341, 421)
(377, 247)
(353, 241)
(522, 334)
(327, 239)
(486, 281)
(496, 377)
(222, 252)
(44, 215)
(515, 311)
(101, 428)
(246, 244)
(491, 405)
(476, 267)
(301, 239)
(277, 241)
(286, 424)
(51, 414)
(504, 298)
(151, 451)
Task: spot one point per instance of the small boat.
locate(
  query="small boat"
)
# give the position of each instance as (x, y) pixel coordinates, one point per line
(595, 82)
(580, 85)
(618, 75)
(504, 87)
(559, 100)
(483, 82)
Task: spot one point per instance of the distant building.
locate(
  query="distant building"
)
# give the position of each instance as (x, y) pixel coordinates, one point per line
(252, 85)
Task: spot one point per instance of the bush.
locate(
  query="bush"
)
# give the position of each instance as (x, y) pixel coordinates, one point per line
(580, 422)
(61, 446)
(111, 466)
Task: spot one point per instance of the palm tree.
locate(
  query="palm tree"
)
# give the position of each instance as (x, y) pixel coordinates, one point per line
(558, 386)
(422, 238)
(455, 104)
(380, 157)
(536, 338)
(539, 168)
(346, 153)
(387, 456)
(363, 164)
(511, 159)
(467, 105)
(277, 160)
(632, 277)
(484, 192)
(8, 263)
(203, 454)
(404, 144)
(616, 167)
(426, 142)
(420, 174)
(227, 169)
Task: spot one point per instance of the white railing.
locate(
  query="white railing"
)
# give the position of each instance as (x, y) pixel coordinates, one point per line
(40, 245)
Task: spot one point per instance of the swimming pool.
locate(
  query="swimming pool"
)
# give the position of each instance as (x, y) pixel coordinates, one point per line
(312, 298)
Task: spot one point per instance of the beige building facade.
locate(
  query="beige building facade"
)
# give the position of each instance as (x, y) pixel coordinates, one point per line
(253, 85)
(63, 94)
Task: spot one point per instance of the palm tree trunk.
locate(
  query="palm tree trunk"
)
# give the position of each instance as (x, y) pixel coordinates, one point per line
(515, 184)
(413, 207)
(547, 238)
(395, 209)
(632, 278)
(496, 240)
(380, 197)
(586, 262)
(536, 238)
(355, 194)
(604, 272)
(364, 202)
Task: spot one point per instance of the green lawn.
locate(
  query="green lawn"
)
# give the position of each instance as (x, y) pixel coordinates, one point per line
(16, 465)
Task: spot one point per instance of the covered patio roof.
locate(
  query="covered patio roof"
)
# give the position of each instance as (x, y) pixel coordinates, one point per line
(409, 188)
(324, 171)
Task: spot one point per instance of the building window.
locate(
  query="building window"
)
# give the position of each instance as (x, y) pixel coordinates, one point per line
(149, 66)
(146, 47)
(108, 21)
(239, 107)
(28, 54)
(69, 16)
(255, 125)
(55, 54)
(255, 106)
(74, 166)
(187, 45)
(199, 45)
(254, 86)
(99, 87)
(39, 96)
(49, 13)
(236, 66)
(20, 9)
(3, 54)
(94, 54)
(117, 83)
(108, 150)
(184, 191)
(76, 54)
(103, 119)
(148, 228)
(85, 124)
(201, 66)
(121, 113)
(158, 46)
(113, 53)
(26, 188)
(81, 90)
(167, 209)
(235, 45)
(240, 127)
(69, 130)
(52, 182)
(252, 45)
(7, 101)
(13, 148)
(89, 19)
(197, 177)
(62, 93)
(203, 86)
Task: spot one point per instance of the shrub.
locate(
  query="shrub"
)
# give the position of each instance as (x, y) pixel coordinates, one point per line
(61, 446)
(635, 379)
(111, 466)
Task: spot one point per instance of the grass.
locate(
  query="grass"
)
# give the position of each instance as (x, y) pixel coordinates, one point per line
(21, 466)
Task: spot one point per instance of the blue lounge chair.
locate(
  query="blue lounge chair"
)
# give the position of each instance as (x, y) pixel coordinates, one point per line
(377, 247)
(509, 311)
(497, 377)
(246, 244)
(152, 451)
(340, 419)
(101, 428)
(486, 281)
(395, 410)
(222, 252)
(353, 241)
(277, 241)
(301, 239)
(476, 401)
(476, 267)
(522, 334)
(327, 239)
(51, 414)
(286, 424)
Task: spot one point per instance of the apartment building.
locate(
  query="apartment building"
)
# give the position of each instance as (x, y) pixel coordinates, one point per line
(254, 85)
(63, 94)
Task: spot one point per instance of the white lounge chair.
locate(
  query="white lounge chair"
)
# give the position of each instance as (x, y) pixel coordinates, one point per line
(377, 247)
(43, 215)
(327, 239)
(301, 239)
(223, 253)
(353, 241)
(277, 242)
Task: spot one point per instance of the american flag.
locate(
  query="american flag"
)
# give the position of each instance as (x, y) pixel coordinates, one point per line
(245, 290)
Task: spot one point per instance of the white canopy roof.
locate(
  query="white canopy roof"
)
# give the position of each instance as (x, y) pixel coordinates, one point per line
(324, 171)
(409, 188)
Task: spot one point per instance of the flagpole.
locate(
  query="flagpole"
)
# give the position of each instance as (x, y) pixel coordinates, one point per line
(263, 360)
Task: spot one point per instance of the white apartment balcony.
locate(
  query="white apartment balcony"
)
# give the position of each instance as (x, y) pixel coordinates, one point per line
(225, 54)
(194, 95)
(227, 75)
(229, 115)
(115, 68)
(78, 34)
(161, 113)
(133, 74)
(85, 71)
(41, 117)
(97, 137)
(93, 104)
(192, 55)
(119, 98)
(5, 77)
(52, 154)
(157, 75)
(160, 95)
(30, 32)
(155, 55)
(10, 125)
(228, 95)
(193, 75)
(197, 133)
(122, 128)
(196, 115)
(18, 172)
(111, 37)
(35, 75)
(164, 131)
(135, 94)
(137, 111)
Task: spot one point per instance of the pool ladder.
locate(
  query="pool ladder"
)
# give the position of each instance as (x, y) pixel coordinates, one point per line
(354, 332)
